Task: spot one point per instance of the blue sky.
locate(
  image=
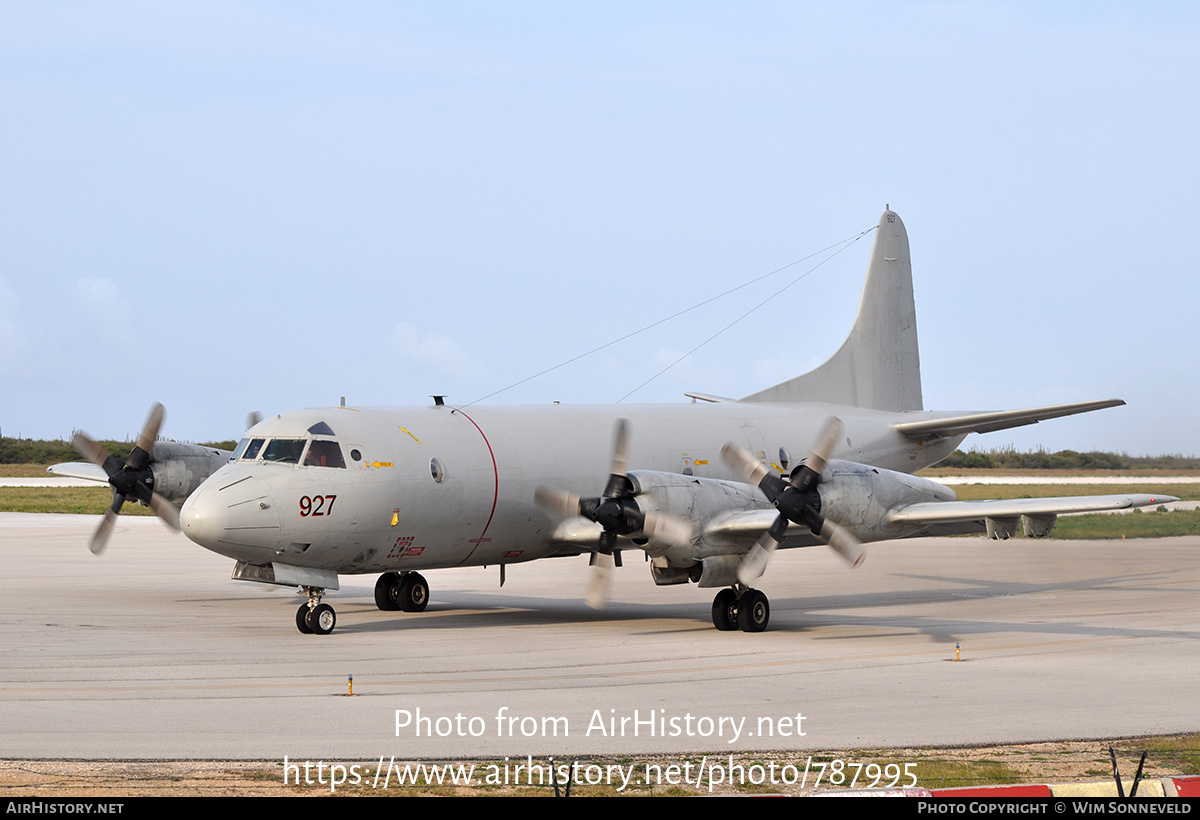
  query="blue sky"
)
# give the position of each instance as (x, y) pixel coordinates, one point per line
(230, 207)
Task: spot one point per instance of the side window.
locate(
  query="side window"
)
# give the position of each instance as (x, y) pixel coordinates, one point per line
(324, 454)
(252, 449)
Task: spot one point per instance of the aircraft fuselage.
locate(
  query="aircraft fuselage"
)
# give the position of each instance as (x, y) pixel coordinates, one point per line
(436, 486)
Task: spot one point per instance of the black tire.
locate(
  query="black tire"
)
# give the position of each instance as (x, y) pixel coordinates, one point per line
(414, 593)
(302, 619)
(725, 610)
(387, 592)
(321, 619)
(754, 611)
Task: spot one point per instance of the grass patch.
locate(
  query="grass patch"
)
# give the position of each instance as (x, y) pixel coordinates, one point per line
(1136, 524)
(1174, 752)
(70, 500)
(949, 774)
(23, 470)
(980, 492)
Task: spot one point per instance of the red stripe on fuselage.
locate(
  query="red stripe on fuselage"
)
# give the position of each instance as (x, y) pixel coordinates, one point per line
(496, 491)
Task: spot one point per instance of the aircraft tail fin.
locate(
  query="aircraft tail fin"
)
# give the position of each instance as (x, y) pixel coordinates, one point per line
(878, 366)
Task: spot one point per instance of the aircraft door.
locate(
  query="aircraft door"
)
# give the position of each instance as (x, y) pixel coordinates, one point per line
(758, 444)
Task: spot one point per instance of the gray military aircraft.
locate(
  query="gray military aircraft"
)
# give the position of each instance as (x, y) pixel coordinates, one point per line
(313, 494)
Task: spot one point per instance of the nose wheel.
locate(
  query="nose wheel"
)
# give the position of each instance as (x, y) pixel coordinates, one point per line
(314, 617)
(744, 609)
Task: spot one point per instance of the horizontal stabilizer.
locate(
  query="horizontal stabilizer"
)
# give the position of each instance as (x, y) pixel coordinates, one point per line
(960, 425)
(708, 397)
(79, 469)
(936, 512)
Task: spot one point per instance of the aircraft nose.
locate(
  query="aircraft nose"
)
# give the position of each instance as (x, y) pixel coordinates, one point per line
(232, 513)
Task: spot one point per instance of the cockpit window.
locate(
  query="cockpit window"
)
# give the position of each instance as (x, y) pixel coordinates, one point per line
(251, 451)
(241, 448)
(324, 454)
(284, 450)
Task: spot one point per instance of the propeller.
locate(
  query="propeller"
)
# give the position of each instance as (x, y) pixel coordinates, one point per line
(617, 513)
(129, 478)
(797, 501)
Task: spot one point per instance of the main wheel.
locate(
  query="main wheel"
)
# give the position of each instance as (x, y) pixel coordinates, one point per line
(725, 610)
(753, 611)
(321, 619)
(302, 619)
(414, 593)
(387, 592)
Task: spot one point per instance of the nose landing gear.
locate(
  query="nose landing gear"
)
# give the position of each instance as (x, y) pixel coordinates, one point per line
(314, 617)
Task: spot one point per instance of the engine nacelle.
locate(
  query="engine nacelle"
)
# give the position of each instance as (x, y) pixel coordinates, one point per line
(178, 469)
(856, 496)
(859, 497)
(693, 499)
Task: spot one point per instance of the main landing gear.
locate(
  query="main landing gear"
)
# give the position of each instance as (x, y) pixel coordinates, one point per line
(407, 591)
(739, 607)
(314, 617)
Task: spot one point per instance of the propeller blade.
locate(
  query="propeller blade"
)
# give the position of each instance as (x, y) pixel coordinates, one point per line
(754, 564)
(756, 560)
(807, 475)
(843, 542)
(94, 452)
(165, 510)
(254, 418)
(827, 439)
(129, 478)
(139, 457)
(745, 464)
(620, 460)
(617, 513)
(667, 529)
(619, 484)
(597, 591)
(559, 501)
(99, 540)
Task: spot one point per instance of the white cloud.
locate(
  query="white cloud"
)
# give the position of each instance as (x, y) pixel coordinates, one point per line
(432, 350)
(96, 297)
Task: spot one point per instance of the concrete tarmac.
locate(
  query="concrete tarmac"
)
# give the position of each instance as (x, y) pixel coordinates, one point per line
(151, 652)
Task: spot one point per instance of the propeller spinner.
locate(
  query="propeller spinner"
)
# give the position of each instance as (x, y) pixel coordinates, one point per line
(129, 478)
(797, 501)
(617, 513)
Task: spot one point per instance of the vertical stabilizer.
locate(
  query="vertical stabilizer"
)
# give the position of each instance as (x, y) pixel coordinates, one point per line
(878, 366)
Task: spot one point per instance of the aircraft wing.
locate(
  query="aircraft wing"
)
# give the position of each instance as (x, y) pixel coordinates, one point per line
(79, 469)
(742, 528)
(942, 512)
(576, 535)
(959, 425)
